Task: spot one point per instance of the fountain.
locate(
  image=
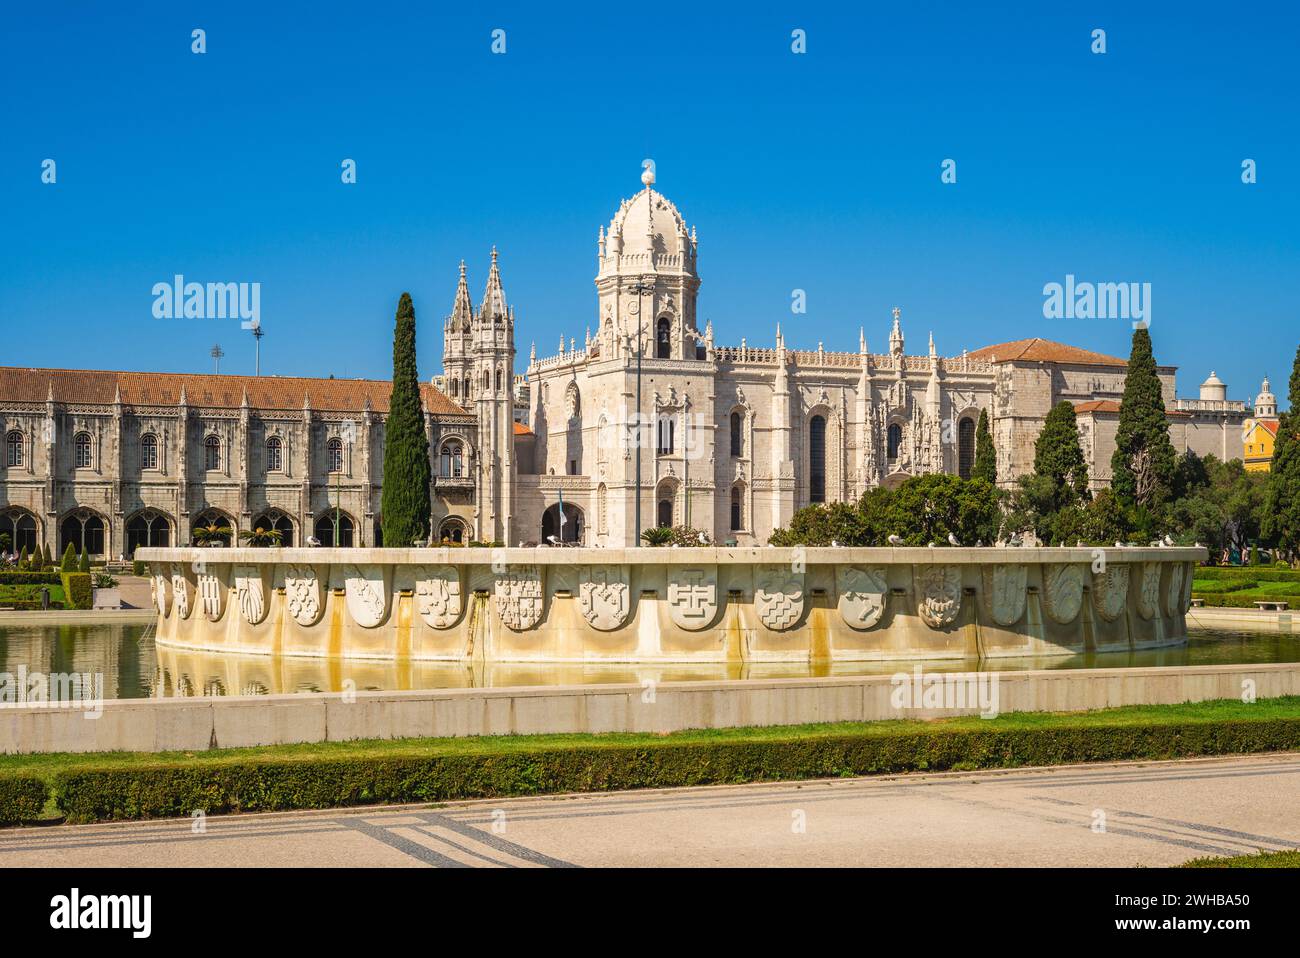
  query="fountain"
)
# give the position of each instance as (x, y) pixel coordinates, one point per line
(669, 605)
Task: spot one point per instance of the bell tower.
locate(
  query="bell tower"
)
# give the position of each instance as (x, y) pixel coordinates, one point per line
(491, 374)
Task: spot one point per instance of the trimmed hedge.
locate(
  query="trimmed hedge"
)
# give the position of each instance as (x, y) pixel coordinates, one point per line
(29, 578)
(106, 792)
(1258, 573)
(1243, 600)
(22, 799)
(78, 589)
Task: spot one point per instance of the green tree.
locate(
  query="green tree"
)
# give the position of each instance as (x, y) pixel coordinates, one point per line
(69, 563)
(1142, 467)
(407, 472)
(1281, 520)
(1190, 474)
(22, 559)
(1059, 456)
(820, 525)
(986, 456)
(83, 563)
(926, 509)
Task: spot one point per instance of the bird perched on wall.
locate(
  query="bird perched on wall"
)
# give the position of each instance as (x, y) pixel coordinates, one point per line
(1119, 545)
(895, 540)
(1016, 541)
(313, 541)
(1168, 540)
(952, 540)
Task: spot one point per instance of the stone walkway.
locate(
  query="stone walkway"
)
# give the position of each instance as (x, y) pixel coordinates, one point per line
(1159, 813)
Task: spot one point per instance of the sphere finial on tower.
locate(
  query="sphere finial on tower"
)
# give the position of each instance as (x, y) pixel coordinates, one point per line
(648, 172)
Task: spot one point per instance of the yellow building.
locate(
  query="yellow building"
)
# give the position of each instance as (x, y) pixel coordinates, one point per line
(1259, 434)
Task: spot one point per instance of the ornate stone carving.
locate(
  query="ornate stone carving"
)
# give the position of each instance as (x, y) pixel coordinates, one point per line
(250, 590)
(1063, 591)
(162, 596)
(604, 596)
(692, 596)
(182, 592)
(778, 596)
(366, 593)
(1149, 592)
(1110, 590)
(438, 595)
(938, 594)
(861, 594)
(518, 595)
(303, 594)
(212, 593)
(1174, 592)
(1005, 588)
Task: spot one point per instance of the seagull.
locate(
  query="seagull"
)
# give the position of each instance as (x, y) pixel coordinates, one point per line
(895, 540)
(313, 541)
(704, 540)
(952, 540)
(834, 544)
(1119, 545)
(552, 540)
(1015, 540)
(979, 543)
(1167, 540)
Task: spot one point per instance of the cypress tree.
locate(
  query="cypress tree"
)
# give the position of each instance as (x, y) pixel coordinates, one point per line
(1059, 456)
(1281, 520)
(1142, 467)
(83, 564)
(69, 563)
(407, 473)
(22, 559)
(986, 456)
(47, 557)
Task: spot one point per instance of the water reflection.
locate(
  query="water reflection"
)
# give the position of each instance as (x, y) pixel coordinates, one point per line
(133, 667)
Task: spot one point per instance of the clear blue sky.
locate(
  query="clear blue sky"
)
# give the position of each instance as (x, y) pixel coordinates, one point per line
(818, 172)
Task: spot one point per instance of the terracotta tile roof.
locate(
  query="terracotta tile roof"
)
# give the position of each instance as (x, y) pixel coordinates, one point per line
(1112, 406)
(1044, 351)
(93, 386)
(1097, 405)
(522, 430)
(1268, 424)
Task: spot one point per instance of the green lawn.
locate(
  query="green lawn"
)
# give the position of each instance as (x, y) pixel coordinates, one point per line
(1259, 860)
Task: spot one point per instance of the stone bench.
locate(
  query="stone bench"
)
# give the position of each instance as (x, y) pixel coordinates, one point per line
(1271, 605)
(1198, 603)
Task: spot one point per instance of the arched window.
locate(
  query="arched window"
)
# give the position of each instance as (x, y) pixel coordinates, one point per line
(466, 389)
(149, 451)
(455, 388)
(211, 453)
(334, 455)
(817, 459)
(663, 338)
(895, 440)
(325, 529)
(14, 449)
(82, 451)
(498, 380)
(452, 530)
(452, 460)
(965, 447)
(216, 526)
(487, 379)
(737, 434)
(275, 454)
(737, 510)
(667, 434)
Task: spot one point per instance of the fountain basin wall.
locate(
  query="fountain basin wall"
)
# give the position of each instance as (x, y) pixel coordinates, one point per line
(670, 605)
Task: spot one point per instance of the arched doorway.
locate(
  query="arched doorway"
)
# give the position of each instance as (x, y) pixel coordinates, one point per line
(84, 531)
(571, 530)
(147, 528)
(276, 520)
(325, 529)
(213, 526)
(20, 526)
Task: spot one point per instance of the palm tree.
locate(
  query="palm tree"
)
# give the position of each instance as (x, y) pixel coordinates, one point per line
(212, 534)
(657, 536)
(262, 537)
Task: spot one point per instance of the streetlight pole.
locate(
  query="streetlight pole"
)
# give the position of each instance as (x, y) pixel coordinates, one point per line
(641, 287)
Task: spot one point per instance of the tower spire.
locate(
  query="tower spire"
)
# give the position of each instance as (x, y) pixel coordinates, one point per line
(494, 295)
(462, 311)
